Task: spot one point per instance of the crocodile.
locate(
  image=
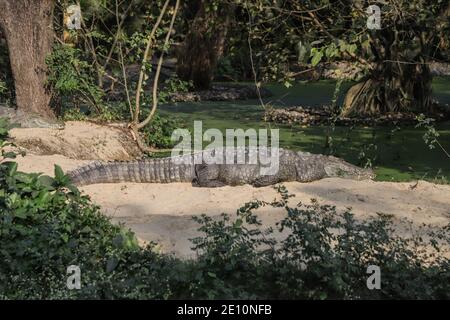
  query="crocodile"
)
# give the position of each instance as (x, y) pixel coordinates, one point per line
(28, 120)
(292, 166)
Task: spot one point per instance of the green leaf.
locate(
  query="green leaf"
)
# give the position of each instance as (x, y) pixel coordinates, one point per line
(12, 167)
(351, 48)
(21, 213)
(10, 155)
(86, 229)
(59, 173)
(303, 49)
(73, 189)
(24, 178)
(43, 197)
(65, 237)
(323, 295)
(47, 182)
(111, 264)
(316, 58)
(117, 241)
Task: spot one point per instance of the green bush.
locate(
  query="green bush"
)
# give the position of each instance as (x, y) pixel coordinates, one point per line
(159, 132)
(315, 252)
(72, 78)
(46, 225)
(325, 254)
(6, 79)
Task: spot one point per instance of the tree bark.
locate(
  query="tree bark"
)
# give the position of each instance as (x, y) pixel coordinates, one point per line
(27, 26)
(401, 78)
(399, 88)
(204, 45)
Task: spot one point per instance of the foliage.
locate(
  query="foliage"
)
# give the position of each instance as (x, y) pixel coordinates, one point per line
(73, 114)
(47, 225)
(287, 35)
(71, 77)
(6, 83)
(228, 69)
(173, 86)
(158, 134)
(99, 64)
(314, 252)
(4, 143)
(324, 254)
(431, 135)
(3, 87)
(314, 31)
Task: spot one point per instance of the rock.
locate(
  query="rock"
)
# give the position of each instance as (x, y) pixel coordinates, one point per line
(325, 115)
(221, 92)
(28, 120)
(440, 69)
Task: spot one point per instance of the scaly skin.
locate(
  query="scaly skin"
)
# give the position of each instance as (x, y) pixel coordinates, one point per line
(293, 166)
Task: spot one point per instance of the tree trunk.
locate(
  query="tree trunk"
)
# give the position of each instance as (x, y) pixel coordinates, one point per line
(401, 79)
(397, 88)
(27, 26)
(204, 45)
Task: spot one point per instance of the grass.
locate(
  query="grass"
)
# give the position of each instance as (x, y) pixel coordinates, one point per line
(397, 154)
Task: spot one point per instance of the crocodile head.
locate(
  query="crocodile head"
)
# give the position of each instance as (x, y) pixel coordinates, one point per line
(335, 167)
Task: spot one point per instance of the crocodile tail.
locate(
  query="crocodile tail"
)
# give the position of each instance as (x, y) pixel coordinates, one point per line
(164, 170)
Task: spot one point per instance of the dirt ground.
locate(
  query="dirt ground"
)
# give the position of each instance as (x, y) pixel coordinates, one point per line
(162, 212)
(79, 140)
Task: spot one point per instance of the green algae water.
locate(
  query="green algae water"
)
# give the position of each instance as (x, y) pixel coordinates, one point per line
(395, 153)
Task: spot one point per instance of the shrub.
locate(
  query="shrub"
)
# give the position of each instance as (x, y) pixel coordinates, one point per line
(159, 132)
(71, 77)
(46, 226)
(324, 254)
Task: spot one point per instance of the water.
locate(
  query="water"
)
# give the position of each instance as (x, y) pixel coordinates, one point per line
(397, 154)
